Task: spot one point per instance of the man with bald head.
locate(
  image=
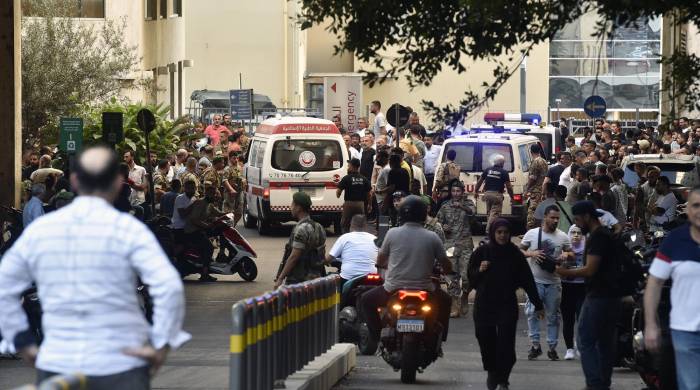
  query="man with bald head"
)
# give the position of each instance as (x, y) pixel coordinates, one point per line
(85, 260)
(495, 179)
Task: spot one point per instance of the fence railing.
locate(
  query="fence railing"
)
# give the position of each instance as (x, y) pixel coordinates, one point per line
(278, 333)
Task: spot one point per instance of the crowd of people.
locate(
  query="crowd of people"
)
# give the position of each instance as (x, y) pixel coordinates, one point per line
(577, 208)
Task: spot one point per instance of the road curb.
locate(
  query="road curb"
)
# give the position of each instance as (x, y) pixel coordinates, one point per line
(324, 371)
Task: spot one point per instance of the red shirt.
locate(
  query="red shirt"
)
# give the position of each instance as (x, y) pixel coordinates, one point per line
(214, 133)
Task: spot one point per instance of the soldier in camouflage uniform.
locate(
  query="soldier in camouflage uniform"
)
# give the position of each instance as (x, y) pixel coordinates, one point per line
(537, 173)
(431, 223)
(190, 174)
(455, 216)
(305, 251)
(234, 188)
(213, 173)
(160, 179)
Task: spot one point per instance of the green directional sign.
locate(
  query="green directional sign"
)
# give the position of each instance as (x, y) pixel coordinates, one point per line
(71, 140)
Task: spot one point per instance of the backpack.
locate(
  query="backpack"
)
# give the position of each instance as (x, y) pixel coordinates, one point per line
(627, 271)
(453, 171)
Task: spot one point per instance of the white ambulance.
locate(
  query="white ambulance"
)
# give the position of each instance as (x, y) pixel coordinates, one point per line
(290, 154)
(475, 153)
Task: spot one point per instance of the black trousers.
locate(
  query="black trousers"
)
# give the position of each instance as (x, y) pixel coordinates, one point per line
(497, 344)
(572, 296)
(378, 297)
(134, 379)
(200, 241)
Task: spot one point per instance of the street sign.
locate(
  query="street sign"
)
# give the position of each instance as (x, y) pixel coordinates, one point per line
(146, 120)
(112, 127)
(595, 106)
(71, 136)
(241, 101)
(397, 115)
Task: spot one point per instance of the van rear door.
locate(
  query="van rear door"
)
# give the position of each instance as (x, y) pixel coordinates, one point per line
(474, 158)
(310, 164)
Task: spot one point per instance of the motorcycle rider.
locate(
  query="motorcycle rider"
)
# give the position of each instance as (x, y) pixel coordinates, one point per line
(408, 254)
(456, 217)
(355, 250)
(196, 225)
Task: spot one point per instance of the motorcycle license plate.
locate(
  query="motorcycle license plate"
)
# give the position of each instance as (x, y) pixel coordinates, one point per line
(405, 325)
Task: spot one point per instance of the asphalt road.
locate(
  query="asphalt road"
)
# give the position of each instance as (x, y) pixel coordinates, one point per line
(203, 362)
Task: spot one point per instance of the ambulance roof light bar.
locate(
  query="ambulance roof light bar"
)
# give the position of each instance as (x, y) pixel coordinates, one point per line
(492, 117)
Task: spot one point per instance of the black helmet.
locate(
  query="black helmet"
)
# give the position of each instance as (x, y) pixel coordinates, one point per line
(413, 209)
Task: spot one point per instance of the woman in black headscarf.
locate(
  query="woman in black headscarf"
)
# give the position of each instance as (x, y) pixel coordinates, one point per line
(496, 270)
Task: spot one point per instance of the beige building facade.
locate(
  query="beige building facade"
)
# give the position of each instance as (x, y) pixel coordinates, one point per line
(189, 45)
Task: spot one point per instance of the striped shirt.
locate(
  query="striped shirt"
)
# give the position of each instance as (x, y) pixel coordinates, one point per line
(678, 258)
(85, 260)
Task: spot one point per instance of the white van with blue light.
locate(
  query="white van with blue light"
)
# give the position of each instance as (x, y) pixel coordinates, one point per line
(475, 153)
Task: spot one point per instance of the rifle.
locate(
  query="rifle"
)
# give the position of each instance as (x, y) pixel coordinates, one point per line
(285, 256)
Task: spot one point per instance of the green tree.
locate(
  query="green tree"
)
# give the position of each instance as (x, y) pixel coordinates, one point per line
(66, 62)
(432, 35)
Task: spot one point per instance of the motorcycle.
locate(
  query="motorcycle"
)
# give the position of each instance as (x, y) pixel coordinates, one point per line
(235, 252)
(351, 327)
(658, 371)
(411, 335)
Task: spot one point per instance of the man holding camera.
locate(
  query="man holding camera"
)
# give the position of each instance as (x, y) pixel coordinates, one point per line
(546, 247)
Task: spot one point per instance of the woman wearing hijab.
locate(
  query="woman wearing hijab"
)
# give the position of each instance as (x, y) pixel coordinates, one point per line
(573, 292)
(496, 271)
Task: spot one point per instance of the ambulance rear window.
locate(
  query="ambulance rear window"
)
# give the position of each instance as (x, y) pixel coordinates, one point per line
(475, 157)
(307, 155)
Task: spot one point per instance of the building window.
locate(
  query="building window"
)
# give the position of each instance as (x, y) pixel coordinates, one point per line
(623, 68)
(163, 9)
(151, 11)
(314, 98)
(177, 7)
(80, 9)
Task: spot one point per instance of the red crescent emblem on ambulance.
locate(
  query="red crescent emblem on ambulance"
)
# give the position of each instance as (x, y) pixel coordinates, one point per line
(336, 178)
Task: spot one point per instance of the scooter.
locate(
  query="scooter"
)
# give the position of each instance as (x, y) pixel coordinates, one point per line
(352, 329)
(236, 255)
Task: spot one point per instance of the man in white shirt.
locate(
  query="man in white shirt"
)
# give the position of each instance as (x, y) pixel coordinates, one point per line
(362, 125)
(379, 121)
(85, 260)
(137, 179)
(665, 206)
(430, 162)
(35, 207)
(356, 250)
(182, 202)
(180, 167)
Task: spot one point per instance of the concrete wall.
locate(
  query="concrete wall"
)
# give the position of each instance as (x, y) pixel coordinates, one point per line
(255, 39)
(321, 58)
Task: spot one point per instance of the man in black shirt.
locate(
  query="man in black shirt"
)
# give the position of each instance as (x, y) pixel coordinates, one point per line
(357, 193)
(496, 179)
(367, 159)
(598, 318)
(554, 172)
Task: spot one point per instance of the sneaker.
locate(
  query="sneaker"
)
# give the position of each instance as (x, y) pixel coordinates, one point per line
(207, 278)
(570, 354)
(534, 352)
(503, 386)
(491, 381)
(552, 354)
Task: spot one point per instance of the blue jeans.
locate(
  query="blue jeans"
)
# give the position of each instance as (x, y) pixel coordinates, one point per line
(550, 294)
(687, 348)
(597, 339)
